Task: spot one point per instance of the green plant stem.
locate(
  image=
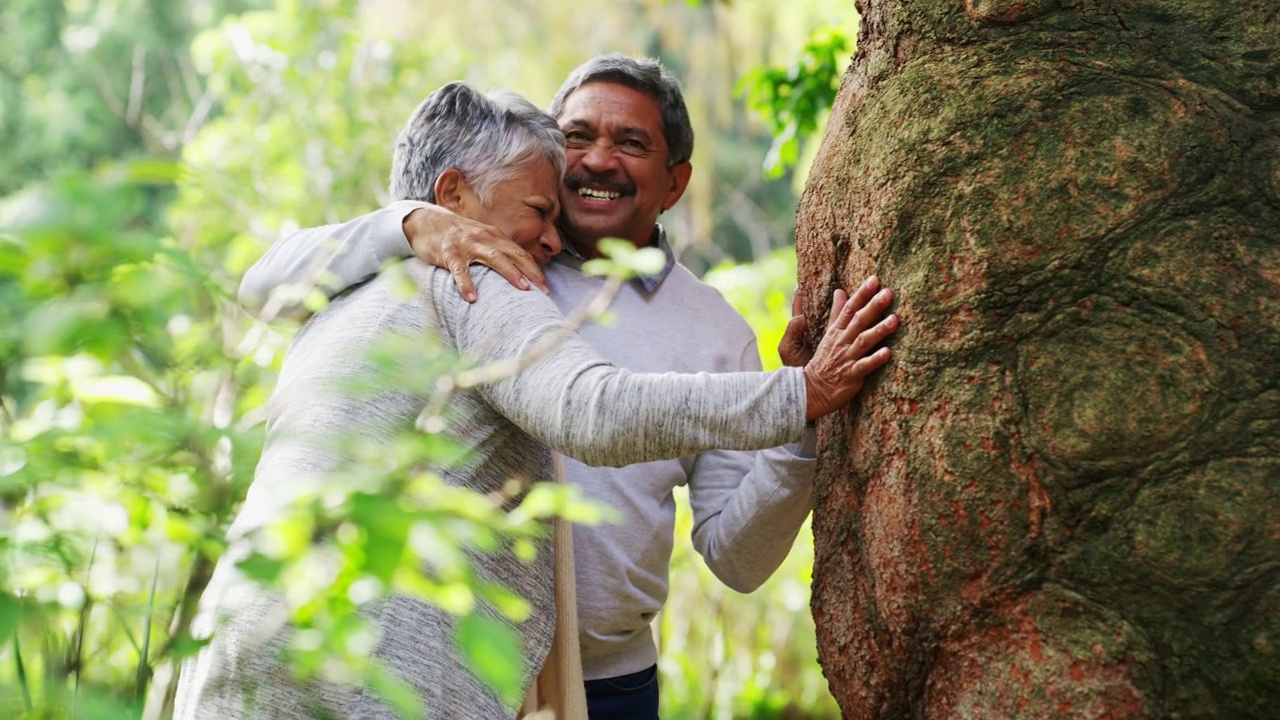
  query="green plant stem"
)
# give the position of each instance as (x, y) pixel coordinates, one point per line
(190, 602)
(78, 659)
(22, 673)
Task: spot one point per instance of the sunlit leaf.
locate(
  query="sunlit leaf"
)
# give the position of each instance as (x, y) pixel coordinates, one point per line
(492, 650)
(186, 646)
(261, 568)
(117, 389)
(395, 692)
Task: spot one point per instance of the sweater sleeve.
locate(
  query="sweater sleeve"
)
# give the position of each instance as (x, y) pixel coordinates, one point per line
(580, 405)
(330, 258)
(749, 507)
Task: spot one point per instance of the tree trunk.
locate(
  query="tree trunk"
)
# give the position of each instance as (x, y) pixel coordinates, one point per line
(1062, 497)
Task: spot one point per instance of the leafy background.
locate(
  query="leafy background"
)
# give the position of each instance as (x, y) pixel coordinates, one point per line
(152, 149)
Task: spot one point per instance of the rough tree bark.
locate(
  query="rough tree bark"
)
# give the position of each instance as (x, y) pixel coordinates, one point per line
(1062, 499)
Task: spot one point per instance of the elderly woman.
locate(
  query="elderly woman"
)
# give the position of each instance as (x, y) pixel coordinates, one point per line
(497, 159)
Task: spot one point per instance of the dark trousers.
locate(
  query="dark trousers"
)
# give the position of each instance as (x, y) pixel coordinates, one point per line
(626, 697)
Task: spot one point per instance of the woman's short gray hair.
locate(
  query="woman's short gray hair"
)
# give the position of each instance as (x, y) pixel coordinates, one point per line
(650, 77)
(485, 136)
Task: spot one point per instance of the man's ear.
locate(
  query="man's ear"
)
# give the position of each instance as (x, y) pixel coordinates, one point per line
(452, 191)
(680, 175)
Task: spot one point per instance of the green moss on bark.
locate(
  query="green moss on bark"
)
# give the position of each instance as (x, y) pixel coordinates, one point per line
(1073, 461)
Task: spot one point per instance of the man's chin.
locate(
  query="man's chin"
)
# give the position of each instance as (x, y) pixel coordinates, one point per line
(589, 230)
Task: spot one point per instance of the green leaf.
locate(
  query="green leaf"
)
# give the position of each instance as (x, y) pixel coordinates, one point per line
(648, 261)
(598, 266)
(187, 646)
(261, 568)
(492, 650)
(510, 604)
(10, 615)
(792, 100)
(395, 692)
(386, 526)
(121, 389)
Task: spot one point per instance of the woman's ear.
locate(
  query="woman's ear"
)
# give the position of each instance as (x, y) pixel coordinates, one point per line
(452, 191)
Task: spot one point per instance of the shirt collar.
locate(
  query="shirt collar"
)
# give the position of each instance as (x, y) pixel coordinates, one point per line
(650, 283)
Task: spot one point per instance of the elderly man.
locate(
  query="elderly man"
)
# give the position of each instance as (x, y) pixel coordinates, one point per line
(629, 141)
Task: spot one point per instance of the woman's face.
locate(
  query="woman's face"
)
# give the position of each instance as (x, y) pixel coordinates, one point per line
(524, 207)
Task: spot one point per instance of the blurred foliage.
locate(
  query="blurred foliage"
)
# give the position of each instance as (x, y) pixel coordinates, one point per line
(311, 104)
(128, 437)
(124, 457)
(82, 81)
(794, 99)
(152, 149)
(762, 291)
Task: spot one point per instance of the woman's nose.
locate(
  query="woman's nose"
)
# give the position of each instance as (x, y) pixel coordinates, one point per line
(550, 240)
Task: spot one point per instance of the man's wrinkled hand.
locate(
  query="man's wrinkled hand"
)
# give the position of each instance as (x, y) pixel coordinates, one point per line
(793, 348)
(450, 241)
(847, 353)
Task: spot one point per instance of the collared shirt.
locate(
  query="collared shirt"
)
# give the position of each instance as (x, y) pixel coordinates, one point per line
(650, 283)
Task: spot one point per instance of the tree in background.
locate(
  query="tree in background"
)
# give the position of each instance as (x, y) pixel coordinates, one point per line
(83, 82)
(1060, 500)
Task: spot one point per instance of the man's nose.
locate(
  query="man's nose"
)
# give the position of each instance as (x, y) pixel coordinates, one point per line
(600, 156)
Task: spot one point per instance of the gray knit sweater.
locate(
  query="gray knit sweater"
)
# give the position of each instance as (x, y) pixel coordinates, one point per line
(573, 401)
(747, 506)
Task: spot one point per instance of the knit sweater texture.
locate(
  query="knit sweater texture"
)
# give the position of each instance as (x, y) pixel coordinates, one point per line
(573, 400)
(748, 507)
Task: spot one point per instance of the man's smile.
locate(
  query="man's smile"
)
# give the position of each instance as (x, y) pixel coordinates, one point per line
(597, 194)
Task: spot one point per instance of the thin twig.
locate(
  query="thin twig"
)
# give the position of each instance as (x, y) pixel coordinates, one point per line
(5, 413)
(104, 89)
(78, 660)
(124, 625)
(137, 85)
(199, 113)
(140, 678)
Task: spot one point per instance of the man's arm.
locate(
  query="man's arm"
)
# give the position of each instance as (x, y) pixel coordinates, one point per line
(748, 507)
(332, 258)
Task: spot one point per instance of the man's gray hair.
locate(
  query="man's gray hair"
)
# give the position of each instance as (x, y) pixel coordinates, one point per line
(485, 136)
(650, 77)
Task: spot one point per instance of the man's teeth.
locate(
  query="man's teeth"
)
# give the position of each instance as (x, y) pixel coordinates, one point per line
(599, 194)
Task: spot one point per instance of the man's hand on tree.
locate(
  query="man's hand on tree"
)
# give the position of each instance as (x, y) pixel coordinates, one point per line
(793, 348)
(847, 355)
(450, 241)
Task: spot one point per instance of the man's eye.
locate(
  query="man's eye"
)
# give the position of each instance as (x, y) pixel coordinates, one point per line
(576, 139)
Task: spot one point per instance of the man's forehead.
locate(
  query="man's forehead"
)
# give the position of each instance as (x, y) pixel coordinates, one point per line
(617, 128)
(604, 92)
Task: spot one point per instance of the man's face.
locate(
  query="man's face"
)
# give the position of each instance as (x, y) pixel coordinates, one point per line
(617, 181)
(524, 207)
